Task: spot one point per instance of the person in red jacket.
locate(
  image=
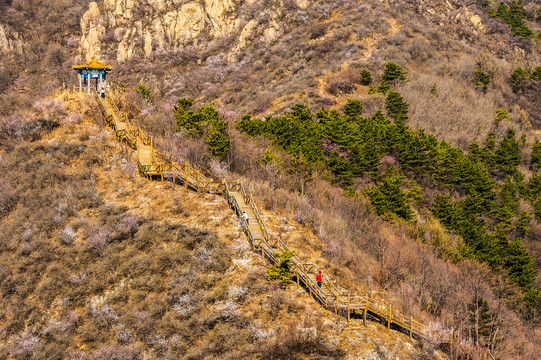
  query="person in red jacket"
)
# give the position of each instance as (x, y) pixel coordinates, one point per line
(319, 279)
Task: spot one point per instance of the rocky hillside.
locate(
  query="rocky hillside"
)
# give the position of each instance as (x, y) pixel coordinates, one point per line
(382, 204)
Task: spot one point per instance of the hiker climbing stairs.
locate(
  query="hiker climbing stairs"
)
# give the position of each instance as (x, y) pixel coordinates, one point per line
(331, 294)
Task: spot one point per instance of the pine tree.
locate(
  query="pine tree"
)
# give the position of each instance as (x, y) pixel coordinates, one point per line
(537, 210)
(388, 198)
(535, 160)
(144, 92)
(353, 108)
(482, 319)
(507, 157)
(519, 79)
(501, 115)
(523, 224)
(475, 151)
(218, 143)
(281, 269)
(534, 187)
(520, 265)
(482, 80)
(397, 107)
(205, 121)
(393, 72)
(536, 75)
(366, 77)
(444, 210)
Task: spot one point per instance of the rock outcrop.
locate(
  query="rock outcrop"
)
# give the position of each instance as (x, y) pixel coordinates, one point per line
(153, 24)
(445, 11)
(9, 41)
(128, 28)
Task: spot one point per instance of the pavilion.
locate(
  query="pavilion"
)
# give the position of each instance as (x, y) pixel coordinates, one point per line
(92, 69)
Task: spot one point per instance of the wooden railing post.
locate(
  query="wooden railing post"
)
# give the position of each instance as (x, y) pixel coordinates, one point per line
(411, 327)
(365, 308)
(185, 174)
(198, 175)
(451, 343)
(348, 308)
(173, 171)
(390, 318)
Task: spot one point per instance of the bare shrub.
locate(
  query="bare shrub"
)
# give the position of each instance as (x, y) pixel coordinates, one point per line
(7, 197)
(185, 305)
(343, 83)
(68, 235)
(129, 168)
(228, 310)
(104, 315)
(13, 126)
(4, 81)
(116, 352)
(303, 337)
(25, 345)
(123, 335)
(128, 224)
(262, 102)
(466, 67)
(420, 51)
(97, 238)
(261, 334)
(300, 217)
(237, 292)
(219, 169)
(318, 30)
(71, 119)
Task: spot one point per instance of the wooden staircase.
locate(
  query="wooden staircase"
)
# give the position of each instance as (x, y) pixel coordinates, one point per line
(331, 295)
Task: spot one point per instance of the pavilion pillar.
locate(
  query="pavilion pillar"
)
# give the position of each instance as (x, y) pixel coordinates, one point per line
(101, 81)
(80, 82)
(88, 83)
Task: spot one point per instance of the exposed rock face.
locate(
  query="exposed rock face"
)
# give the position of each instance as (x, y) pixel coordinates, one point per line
(154, 24)
(444, 11)
(93, 29)
(9, 42)
(139, 28)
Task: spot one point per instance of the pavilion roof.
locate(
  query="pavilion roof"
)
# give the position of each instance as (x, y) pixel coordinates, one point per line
(92, 64)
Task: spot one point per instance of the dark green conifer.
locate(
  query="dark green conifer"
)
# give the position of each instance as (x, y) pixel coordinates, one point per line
(523, 224)
(507, 157)
(393, 72)
(537, 210)
(366, 77)
(519, 79)
(482, 80)
(536, 75)
(444, 210)
(535, 160)
(353, 108)
(520, 265)
(397, 107)
(281, 270)
(388, 198)
(482, 320)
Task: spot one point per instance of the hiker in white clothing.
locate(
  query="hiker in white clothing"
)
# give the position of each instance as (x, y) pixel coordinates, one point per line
(244, 217)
